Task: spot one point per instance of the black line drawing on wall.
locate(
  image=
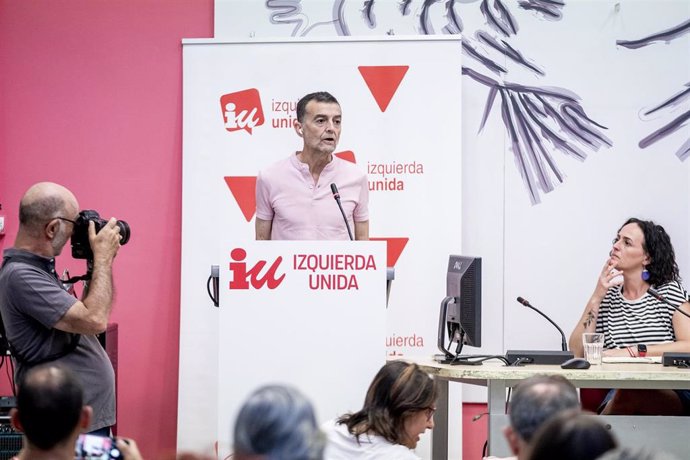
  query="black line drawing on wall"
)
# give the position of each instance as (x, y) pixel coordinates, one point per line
(538, 121)
(678, 101)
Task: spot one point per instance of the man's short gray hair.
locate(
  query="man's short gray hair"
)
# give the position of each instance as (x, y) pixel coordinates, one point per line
(34, 214)
(278, 422)
(537, 399)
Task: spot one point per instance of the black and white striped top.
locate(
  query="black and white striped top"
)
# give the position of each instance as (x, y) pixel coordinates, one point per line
(645, 320)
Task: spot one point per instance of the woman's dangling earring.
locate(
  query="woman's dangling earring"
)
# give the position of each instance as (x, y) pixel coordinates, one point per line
(645, 274)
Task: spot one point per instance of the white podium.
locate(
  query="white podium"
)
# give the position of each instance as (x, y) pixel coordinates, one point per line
(307, 313)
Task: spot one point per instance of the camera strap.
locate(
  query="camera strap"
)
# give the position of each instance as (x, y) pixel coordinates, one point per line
(5, 343)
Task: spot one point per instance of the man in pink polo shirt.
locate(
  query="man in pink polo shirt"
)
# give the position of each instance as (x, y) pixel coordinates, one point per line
(294, 200)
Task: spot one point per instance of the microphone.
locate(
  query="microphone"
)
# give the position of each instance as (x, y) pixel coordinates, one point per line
(520, 357)
(661, 298)
(564, 345)
(212, 284)
(336, 195)
(669, 358)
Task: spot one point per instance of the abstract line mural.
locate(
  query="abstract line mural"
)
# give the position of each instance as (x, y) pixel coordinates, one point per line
(542, 113)
(678, 101)
(539, 121)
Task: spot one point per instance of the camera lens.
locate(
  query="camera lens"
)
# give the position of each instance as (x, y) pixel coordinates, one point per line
(124, 231)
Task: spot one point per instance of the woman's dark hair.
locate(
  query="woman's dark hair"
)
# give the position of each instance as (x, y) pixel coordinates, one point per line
(663, 267)
(398, 390)
(571, 435)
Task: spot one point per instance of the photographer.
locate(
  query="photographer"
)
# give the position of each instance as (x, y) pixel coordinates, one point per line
(42, 321)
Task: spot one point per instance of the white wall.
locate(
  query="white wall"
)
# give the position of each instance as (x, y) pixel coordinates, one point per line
(549, 252)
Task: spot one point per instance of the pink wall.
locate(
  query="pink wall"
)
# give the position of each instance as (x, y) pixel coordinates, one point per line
(90, 97)
(474, 432)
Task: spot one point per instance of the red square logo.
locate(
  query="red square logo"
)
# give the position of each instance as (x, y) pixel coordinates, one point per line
(242, 110)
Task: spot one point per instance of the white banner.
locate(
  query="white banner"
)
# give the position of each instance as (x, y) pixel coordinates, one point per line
(400, 99)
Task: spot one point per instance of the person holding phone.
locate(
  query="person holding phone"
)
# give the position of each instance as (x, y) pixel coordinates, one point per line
(51, 413)
(634, 322)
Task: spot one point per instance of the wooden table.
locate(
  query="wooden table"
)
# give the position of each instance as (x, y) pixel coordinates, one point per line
(671, 434)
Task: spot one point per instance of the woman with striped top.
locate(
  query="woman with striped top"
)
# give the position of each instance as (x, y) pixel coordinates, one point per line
(633, 321)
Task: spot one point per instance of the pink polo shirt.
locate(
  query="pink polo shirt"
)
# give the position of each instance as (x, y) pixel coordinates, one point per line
(302, 210)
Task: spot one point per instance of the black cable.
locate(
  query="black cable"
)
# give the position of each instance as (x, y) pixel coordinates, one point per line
(521, 360)
(479, 359)
(485, 448)
(208, 289)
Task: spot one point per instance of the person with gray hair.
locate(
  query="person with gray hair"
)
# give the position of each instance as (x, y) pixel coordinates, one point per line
(277, 422)
(629, 453)
(43, 322)
(534, 401)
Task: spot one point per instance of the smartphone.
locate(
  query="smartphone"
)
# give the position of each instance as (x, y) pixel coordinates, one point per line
(92, 447)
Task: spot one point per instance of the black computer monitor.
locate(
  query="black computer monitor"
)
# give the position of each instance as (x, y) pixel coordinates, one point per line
(461, 309)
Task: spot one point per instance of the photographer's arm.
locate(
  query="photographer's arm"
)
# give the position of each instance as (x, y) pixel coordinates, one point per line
(90, 315)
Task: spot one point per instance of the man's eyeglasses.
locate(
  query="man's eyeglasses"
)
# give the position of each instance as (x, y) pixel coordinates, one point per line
(67, 220)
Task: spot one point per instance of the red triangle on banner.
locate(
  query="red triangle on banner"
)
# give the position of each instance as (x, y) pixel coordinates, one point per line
(394, 247)
(383, 81)
(243, 188)
(347, 155)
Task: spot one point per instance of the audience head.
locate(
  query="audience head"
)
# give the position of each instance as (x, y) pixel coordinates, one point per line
(629, 453)
(277, 422)
(571, 435)
(50, 408)
(399, 405)
(534, 401)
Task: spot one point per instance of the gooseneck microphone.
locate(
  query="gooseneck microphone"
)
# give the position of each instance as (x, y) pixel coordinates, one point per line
(336, 195)
(564, 345)
(661, 298)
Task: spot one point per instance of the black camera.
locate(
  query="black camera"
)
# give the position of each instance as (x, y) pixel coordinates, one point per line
(81, 248)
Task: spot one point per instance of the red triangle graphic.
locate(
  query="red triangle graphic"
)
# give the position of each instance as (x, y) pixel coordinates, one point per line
(243, 188)
(347, 155)
(383, 81)
(394, 247)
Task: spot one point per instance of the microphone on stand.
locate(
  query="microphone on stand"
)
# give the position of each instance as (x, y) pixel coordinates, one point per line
(659, 297)
(336, 195)
(671, 358)
(518, 357)
(525, 302)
